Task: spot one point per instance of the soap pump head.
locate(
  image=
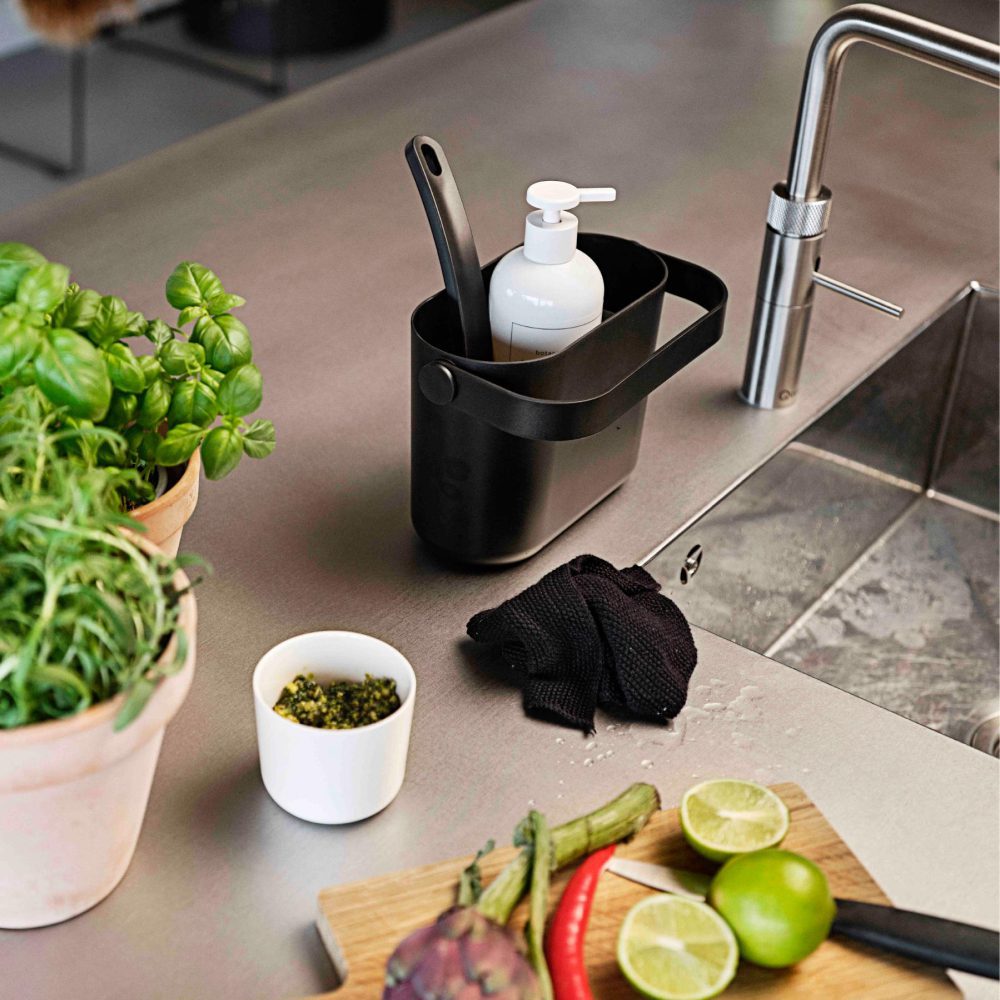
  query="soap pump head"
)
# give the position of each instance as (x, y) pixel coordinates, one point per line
(550, 233)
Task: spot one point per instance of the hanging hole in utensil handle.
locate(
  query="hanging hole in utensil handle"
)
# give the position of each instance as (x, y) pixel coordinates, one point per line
(430, 156)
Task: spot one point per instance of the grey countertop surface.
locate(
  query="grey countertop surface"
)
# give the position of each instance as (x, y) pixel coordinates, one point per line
(306, 208)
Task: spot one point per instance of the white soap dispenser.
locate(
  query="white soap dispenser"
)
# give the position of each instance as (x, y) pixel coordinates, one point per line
(546, 294)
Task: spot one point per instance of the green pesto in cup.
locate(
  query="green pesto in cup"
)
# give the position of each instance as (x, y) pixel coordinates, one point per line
(339, 704)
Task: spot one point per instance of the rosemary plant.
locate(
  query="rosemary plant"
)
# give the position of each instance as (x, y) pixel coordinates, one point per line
(85, 613)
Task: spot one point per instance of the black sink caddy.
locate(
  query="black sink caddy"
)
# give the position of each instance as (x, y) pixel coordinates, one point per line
(506, 455)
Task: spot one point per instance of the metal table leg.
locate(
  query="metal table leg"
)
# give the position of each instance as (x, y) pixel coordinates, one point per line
(77, 126)
(275, 83)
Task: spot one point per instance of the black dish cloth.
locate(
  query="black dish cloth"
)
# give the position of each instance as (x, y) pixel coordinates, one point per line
(588, 634)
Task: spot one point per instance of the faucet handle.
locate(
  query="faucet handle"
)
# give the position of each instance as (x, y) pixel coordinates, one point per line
(865, 298)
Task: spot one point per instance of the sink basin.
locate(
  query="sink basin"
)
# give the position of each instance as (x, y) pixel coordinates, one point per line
(865, 552)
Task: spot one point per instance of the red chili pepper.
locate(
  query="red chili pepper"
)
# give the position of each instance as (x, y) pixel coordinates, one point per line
(564, 945)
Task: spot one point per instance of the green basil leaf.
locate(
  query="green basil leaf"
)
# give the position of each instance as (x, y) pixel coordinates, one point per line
(258, 439)
(122, 410)
(110, 321)
(148, 446)
(219, 304)
(150, 367)
(189, 314)
(192, 284)
(180, 403)
(158, 332)
(212, 378)
(221, 452)
(135, 326)
(179, 357)
(193, 403)
(226, 340)
(78, 309)
(241, 391)
(42, 288)
(73, 373)
(16, 259)
(155, 405)
(179, 444)
(133, 438)
(18, 345)
(124, 369)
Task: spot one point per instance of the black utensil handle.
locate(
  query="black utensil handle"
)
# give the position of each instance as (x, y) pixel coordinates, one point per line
(564, 420)
(456, 248)
(933, 940)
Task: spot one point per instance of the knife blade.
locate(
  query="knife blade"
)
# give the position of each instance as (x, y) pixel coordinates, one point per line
(693, 885)
(947, 944)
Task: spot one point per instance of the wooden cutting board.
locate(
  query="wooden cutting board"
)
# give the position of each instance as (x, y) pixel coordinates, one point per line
(361, 923)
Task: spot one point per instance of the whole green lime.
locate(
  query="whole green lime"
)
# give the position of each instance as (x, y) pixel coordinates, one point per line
(778, 904)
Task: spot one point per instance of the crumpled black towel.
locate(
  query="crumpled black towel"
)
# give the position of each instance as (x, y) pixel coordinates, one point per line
(588, 634)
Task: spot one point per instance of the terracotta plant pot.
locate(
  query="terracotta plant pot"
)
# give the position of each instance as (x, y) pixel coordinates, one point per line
(166, 516)
(73, 795)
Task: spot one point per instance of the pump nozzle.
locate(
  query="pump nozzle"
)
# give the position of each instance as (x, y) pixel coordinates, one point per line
(555, 197)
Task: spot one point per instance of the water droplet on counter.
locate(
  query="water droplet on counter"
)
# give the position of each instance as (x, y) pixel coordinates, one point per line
(794, 731)
(678, 727)
(647, 764)
(806, 770)
(560, 740)
(694, 716)
(609, 753)
(745, 705)
(713, 706)
(531, 803)
(588, 762)
(591, 745)
(561, 782)
(611, 727)
(600, 756)
(572, 761)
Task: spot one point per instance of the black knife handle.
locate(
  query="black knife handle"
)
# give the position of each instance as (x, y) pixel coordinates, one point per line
(933, 940)
(453, 239)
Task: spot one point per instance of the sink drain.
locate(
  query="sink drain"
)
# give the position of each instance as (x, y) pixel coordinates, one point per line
(984, 733)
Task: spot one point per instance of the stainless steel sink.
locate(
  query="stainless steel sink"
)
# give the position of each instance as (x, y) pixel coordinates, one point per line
(865, 552)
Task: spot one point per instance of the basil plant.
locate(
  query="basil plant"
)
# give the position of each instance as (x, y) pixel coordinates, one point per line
(181, 394)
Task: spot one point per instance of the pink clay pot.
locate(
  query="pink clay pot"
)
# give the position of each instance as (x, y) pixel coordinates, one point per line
(73, 795)
(165, 517)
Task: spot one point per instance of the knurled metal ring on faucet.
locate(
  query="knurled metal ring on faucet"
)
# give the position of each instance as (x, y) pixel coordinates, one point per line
(798, 218)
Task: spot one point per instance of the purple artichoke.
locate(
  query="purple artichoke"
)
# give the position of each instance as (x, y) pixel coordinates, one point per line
(463, 956)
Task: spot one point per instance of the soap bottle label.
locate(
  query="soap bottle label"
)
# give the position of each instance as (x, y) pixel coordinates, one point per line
(528, 343)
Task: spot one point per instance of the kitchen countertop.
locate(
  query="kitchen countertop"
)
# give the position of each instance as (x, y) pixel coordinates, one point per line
(306, 207)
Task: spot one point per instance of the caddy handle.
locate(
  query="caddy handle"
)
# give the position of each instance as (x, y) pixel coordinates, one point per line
(447, 384)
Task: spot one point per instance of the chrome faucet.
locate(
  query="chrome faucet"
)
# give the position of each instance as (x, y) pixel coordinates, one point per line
(800, 208)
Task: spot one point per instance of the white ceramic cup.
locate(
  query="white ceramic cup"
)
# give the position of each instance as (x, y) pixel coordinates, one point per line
(332, 775)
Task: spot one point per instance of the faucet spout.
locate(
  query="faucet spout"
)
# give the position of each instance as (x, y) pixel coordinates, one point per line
(924, 41)
(799, 210)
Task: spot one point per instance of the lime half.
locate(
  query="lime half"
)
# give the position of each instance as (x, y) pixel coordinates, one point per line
(673, 948)
(725, 817)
